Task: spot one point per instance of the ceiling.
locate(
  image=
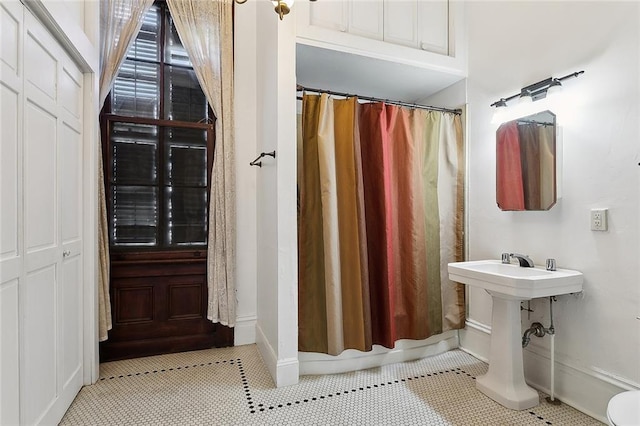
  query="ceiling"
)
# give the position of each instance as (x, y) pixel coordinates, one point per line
(336, 71)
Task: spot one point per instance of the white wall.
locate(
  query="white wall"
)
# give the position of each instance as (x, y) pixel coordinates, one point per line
(277, 294)
(246, 148)
(512, 45)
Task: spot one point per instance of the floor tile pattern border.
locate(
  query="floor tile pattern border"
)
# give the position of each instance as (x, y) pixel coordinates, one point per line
(256, 408)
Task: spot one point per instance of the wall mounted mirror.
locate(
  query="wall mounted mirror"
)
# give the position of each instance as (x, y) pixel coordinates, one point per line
(526, 163)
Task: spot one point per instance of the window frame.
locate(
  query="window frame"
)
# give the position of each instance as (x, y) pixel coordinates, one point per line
(107, 118)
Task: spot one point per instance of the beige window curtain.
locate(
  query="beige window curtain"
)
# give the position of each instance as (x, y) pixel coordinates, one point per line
(120, 21)
(205, 29)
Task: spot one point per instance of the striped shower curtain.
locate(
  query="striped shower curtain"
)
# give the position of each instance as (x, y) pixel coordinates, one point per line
(380, 216)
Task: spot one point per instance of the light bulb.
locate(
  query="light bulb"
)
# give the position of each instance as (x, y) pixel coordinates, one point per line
(526, 98)
(554, 88)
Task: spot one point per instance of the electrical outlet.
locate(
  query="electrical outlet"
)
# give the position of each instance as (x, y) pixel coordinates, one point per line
(599, 219)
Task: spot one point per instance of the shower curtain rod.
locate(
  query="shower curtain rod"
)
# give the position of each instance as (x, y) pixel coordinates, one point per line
(300, 88)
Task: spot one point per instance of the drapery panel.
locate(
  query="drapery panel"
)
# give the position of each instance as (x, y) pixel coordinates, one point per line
(120, 21)
(206, 31)
(381, 214)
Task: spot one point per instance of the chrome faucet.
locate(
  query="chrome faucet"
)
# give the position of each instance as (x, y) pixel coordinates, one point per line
(525, 261)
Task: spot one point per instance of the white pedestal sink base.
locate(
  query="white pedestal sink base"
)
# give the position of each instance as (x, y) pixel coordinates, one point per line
(508, 285)
(504, 382)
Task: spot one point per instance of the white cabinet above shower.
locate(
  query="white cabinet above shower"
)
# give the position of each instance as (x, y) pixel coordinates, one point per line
(418, 44)
(419, 24)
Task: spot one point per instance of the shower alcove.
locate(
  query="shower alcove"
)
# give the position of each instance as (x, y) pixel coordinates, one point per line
(383, 54)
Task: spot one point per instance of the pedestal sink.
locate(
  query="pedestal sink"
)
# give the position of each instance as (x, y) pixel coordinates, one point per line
(508, 285)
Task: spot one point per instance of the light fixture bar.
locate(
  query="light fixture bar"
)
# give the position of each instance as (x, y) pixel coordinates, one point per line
(536, 90)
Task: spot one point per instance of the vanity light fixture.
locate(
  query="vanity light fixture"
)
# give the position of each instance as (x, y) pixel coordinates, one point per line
(502, 103)
(536, 91)
(555, 86)
(526, 97)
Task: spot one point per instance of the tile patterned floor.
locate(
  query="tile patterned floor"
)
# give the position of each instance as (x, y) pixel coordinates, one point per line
(231, 386)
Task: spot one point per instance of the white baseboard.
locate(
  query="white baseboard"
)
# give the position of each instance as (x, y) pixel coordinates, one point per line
(584, 389)
(288, 372)
(475, 339)
(312, 363)
(244, 332)
(266, 352)
(284, 372)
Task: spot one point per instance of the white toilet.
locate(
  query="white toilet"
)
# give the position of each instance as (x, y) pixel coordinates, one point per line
(624, 409)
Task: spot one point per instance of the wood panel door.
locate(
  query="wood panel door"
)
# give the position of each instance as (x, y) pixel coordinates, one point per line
(11, 256)
(41, 246)
(159, 305)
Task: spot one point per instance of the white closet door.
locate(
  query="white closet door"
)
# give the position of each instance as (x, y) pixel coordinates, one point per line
(366, 18)
(329, 14)
(70, 206)
(47, 143)
(433, 24)
(10, 207)
(401, 22)
(42, 249)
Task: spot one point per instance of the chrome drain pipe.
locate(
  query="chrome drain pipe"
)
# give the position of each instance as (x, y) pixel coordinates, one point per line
(536, 329)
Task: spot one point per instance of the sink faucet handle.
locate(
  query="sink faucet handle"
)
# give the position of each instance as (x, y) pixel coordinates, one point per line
(551, 264)
(506, 258)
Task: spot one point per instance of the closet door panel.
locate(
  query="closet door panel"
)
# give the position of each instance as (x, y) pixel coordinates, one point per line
(70, 321)
(329, 14)
(40, 63)
(38, 386)
(40, 154)
(10, 29)
(41, 259)
(366, 18)
(71, 89)
(9, 353)
(70, 205)
(433, 24)
(9, 163)
(52, 294)
(70, 183)
(10, 132)
(401, 22)
(11, 15)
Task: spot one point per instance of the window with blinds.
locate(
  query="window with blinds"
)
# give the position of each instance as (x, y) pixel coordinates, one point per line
(159, 151)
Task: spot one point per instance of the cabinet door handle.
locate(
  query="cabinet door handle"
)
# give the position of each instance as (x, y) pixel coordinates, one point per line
(66, 253)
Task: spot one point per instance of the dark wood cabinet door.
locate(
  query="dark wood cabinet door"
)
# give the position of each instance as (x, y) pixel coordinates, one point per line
(159, 305)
